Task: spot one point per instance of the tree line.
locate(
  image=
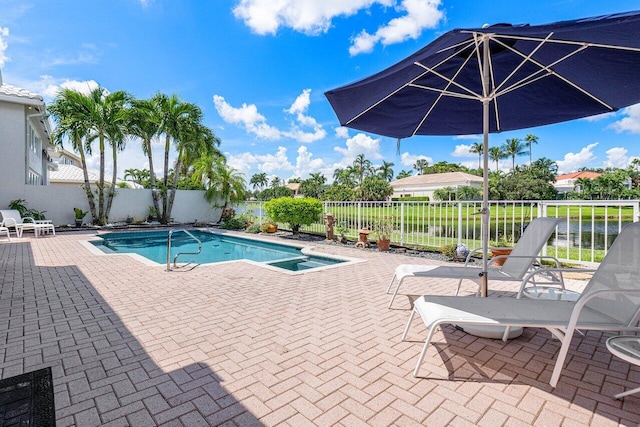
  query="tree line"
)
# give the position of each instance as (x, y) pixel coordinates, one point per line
(100, 120)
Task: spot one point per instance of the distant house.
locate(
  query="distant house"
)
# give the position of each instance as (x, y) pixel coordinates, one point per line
(69, 171)
(295, 189)
(425, 185)
(567, 182)
(24, 138)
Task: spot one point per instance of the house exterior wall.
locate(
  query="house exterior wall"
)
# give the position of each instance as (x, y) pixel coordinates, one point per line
(427, 190)
(13, 149)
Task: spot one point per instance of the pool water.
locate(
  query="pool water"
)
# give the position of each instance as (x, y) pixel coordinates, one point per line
(215, 248)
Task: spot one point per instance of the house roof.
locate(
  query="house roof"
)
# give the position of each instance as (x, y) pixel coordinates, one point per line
(71, 174)
(442, 179)
(12, 93)
(294, 186)
(576, 175)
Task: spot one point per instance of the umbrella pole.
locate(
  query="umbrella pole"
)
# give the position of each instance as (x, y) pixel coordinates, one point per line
(485, 174)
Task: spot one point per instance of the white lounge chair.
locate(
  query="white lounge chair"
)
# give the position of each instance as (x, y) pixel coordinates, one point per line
(4, 229)
(609, 302)
(12, 218)
(515, 267)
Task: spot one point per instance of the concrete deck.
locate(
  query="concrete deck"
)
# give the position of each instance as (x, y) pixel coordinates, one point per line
(236, 344)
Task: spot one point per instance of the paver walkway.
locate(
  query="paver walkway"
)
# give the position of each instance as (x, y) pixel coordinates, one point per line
(236, 344)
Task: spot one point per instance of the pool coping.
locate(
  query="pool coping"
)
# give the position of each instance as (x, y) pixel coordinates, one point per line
(306, 249)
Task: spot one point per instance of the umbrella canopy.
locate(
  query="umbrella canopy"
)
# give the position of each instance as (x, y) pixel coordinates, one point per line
(498, 78)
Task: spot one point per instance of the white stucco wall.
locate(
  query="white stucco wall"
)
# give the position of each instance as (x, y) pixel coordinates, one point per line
(12, 149)
(58, 203)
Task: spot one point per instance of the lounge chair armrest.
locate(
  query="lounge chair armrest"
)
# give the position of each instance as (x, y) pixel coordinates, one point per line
(28, 219)
(470, 254)
(540, 271)
(9, 222)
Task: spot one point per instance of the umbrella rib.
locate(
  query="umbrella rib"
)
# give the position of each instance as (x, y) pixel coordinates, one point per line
(445, 91)
(568, 42)
(548, 69)
(428, 70)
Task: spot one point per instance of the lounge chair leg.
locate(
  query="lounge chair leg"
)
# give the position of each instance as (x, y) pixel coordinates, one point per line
(393, 297)
(424, 350)
(627, 393)
(562, 355)
(406, 328)
(391, 283)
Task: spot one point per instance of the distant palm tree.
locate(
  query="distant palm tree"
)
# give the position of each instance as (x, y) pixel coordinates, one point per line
(496, 154)
(477, 148)
(259, 180)
(386, 171)
(404, 174)
(220, 181)
(275, 181)
(421, 166)
(529, 140)
(363, 166)
(514, 147)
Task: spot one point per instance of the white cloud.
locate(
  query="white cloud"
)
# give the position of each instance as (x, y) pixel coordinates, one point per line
(359, 144)
(306, 16)
(255, 123)
(420, 14)
(247, 116)
(341, 132)
(4, 33)
(630, 123)
(410, 159)
(52, 87)
(269, 163)
(463, 150)
(306, 164)
(574, 161)
(616, 158)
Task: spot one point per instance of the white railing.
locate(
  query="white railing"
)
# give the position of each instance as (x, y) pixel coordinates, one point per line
(585, 234)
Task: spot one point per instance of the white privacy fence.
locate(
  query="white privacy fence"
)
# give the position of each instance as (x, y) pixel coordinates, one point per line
(585, 233)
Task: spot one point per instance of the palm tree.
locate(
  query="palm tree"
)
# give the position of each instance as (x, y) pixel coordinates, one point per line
(220, 181)
(421, 166)
(144, 122)
(386, 171)
(318, 178)
(363, 166)
(404, 174)
(180, 122)
(529, 140)
(259, 180)
(67, 111)
(477, 148)
(514, 147)
(496, 154)
(275, 181)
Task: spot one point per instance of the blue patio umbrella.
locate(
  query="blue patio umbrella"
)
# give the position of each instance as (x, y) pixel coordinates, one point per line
(497, 78)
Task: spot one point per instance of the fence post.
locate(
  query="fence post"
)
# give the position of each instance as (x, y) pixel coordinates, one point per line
(401, 223)
(459, 222)
(359, 216)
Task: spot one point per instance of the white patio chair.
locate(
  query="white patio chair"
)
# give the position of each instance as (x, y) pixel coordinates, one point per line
(5, 230)
(609, 302)
(515, 267)
(12, 218)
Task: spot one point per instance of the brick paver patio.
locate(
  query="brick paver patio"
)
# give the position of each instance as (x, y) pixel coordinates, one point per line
(236, 344)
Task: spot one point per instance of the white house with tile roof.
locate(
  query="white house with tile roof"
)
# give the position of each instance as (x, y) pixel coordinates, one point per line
(425, 185)
(24, 138)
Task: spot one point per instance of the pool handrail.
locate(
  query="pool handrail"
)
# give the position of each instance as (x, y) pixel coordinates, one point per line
(175, 258)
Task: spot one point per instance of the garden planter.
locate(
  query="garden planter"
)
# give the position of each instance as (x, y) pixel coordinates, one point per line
(272, 228)
(383, 245)
(500, 251)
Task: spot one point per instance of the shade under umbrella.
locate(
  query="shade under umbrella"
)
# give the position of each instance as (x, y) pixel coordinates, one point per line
(498, 78)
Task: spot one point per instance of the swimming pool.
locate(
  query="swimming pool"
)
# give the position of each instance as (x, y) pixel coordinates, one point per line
(215, 248)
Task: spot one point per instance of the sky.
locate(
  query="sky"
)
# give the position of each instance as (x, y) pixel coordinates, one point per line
(259, 70)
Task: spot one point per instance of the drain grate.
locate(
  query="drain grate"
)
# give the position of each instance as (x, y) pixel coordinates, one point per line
(27, 400)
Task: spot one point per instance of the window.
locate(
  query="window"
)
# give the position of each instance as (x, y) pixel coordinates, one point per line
(34, 178)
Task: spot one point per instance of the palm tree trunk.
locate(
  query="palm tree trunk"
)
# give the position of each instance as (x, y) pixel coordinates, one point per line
(174, 187)
(112, 190)
(152, 179)
(102, 220)
(165, 218)
(87, 184)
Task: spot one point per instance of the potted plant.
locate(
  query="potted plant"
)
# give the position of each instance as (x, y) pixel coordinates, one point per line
(269, 226)
(502, 246)
(382, 229)
(152, 214)
(79, 214)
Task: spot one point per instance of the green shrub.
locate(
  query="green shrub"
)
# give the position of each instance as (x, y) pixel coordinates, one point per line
(253, 229)
(411, 199)
(295, 212)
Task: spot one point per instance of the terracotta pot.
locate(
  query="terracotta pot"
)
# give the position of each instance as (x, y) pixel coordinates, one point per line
(500, 251)
(272, 228)
(383, 245)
